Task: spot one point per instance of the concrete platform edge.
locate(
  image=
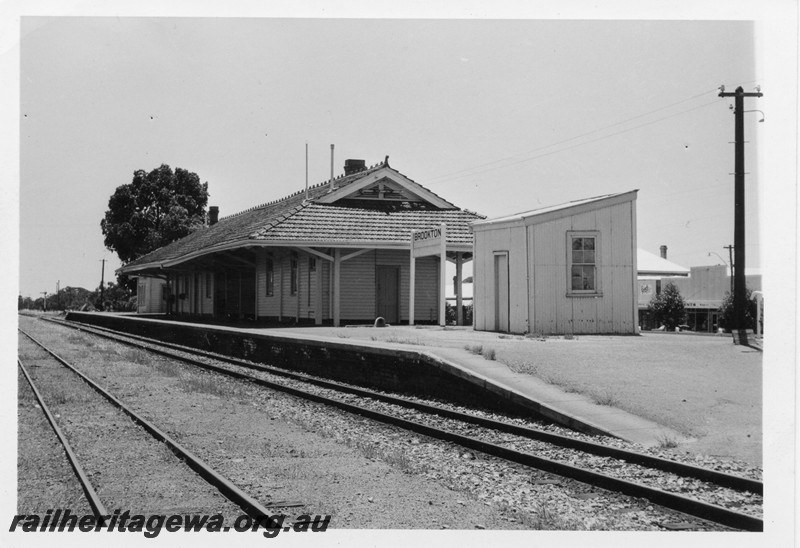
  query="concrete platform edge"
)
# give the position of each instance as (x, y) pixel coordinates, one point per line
(427, 358)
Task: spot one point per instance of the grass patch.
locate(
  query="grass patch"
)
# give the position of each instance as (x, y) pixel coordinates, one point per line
(399, 459)
(607, 397)
(478, 349)
(83, 341)
(167, 369)
(539, 519)
(136, 356)
(666, 441)
(404, 341)
(398, 340)
(536, 336)
(208, 385)
(60, 398)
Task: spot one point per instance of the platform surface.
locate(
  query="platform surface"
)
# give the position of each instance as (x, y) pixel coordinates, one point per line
(701, 393)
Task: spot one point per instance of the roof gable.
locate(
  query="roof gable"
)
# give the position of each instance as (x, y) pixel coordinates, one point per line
(384, 184)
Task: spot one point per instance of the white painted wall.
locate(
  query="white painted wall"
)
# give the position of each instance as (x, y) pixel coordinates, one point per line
(539, 277)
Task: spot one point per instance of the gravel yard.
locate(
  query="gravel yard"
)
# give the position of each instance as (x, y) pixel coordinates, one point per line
(702, 386)
(259, 442)
(277, 447)
(45, 478)
(128, 468)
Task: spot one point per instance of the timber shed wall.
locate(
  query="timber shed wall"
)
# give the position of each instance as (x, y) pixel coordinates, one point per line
(538, 273)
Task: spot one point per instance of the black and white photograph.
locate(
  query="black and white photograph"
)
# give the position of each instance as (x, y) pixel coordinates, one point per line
(332, 274)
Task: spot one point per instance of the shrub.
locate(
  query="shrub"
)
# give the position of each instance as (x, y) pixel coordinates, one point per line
(668, 307)
(726, 319)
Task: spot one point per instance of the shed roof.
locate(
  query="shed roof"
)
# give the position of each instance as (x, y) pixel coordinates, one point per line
(347, 221)
(561, 210)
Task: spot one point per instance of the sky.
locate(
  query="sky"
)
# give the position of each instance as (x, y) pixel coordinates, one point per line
(497, 116)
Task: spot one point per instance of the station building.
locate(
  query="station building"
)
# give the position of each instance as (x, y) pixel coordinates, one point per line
(569, 268)
(338, 252)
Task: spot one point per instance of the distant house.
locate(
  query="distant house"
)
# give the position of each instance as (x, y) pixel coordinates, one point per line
(703, 289)
(338, 253)
(654, 266)
(569, 268)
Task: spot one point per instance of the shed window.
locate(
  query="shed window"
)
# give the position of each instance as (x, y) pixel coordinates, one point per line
(582, 262)
(270, 277)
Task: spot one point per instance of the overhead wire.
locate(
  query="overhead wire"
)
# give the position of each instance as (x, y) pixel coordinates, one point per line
(478, 168)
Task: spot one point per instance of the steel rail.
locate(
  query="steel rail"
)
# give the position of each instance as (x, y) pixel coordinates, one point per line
(248, 504)
(696, 508)
(722, 479)
(95, 503)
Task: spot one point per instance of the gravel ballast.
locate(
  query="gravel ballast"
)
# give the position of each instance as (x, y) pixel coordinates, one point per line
(513, 495)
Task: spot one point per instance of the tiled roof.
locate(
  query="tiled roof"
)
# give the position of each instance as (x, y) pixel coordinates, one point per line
(293, 219)
(333, 224)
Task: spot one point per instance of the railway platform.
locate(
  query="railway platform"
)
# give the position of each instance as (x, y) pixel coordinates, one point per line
(448, 363)
(567, 408)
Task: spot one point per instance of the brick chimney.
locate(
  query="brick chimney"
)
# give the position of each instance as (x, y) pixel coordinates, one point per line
(213, 215)
(354, 166)
(663, 252)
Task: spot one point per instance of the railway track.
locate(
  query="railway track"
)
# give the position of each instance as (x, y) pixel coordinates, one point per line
(500, 439)
(230, 491)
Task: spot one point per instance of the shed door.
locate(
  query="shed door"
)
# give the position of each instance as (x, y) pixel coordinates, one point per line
(501, 292)
(387, 290)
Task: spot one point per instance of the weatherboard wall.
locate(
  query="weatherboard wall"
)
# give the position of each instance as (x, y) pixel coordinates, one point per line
(149, 295)
(538, 272)
(358, 286)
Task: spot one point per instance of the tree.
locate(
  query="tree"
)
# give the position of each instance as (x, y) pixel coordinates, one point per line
(726, 318)
(668, 307)
(153, 210)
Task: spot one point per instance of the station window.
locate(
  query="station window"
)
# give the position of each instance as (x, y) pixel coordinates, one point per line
(312, 267)
(270, 277)
(583, 257)
(294, 275)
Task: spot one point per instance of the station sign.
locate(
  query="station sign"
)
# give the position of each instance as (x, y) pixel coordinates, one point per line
(427, 241)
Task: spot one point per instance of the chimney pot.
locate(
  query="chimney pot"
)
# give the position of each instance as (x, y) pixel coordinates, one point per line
(663, 252)
(213, 215)
(354, 166)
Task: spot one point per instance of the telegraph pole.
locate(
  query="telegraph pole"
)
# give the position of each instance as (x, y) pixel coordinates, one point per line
(44, 303)
(739, 305)
(730, 261)
(102, 282)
